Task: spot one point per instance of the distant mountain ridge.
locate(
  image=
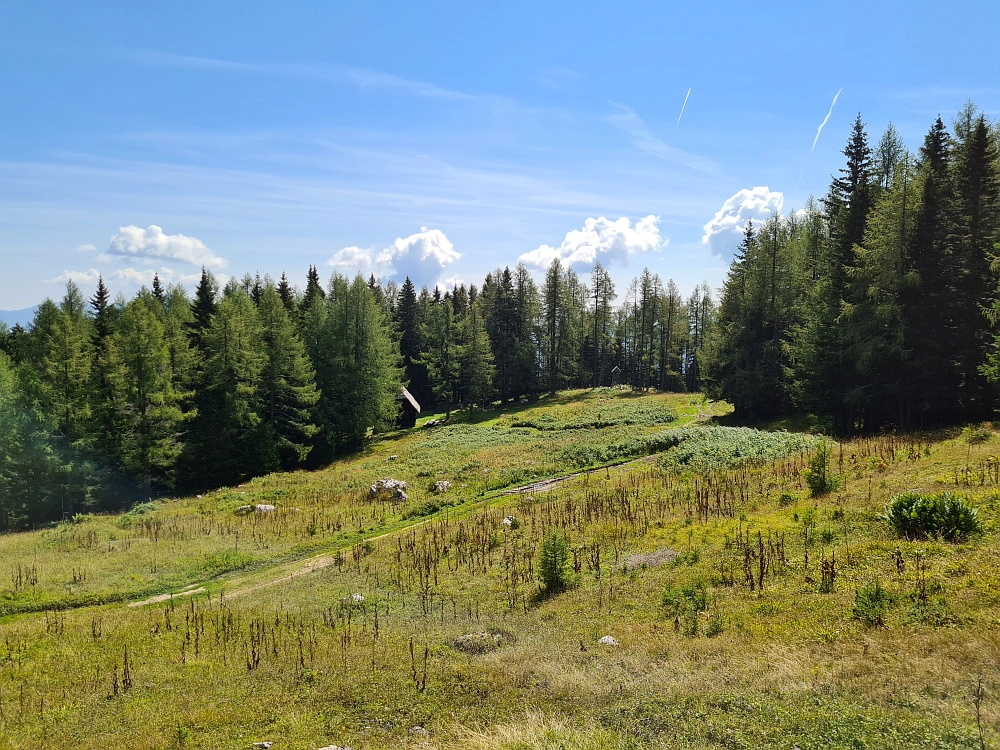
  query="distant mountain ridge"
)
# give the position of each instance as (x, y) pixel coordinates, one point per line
(13, 317)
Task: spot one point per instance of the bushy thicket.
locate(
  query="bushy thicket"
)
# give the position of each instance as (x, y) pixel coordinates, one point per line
(913, 515)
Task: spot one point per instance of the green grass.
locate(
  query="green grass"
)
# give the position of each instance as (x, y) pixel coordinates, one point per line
(705, 659)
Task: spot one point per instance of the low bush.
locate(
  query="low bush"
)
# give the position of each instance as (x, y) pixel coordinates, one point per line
(871, 604)
(678, 600)
(913, 515)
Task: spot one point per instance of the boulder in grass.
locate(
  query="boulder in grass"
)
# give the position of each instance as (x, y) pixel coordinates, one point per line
(607, 640)
(263, 745)
(393, 489)
(263, 509)
(334, 747)
(482, 642)
(244, 510)
(441, 487)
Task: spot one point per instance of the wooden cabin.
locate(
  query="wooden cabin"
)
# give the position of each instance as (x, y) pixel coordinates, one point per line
(409, 409)
(616, 376)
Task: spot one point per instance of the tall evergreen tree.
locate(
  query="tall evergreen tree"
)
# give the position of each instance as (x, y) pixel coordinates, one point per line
(287, 386)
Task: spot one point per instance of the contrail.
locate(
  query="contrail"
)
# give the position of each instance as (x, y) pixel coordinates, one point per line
(683, 106)
(820, 128)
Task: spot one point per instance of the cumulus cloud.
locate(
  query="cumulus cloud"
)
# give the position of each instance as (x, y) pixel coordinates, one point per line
(77, 277)
(152, 243)
(351, 260)
(601, 239)
(422, 256)
(450, 283)
(88, 248)
(133, 277)
(724, 232)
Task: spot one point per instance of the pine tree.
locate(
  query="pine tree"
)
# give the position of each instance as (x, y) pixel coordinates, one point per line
(226, 440)
(158, 289)
(975, 232)
(475, 360)
(441, 354)
(66, 364)
(362, 376)
(101, 311)
(287, 295)
(501, 324)
(409, 324)
(314, 289)
(287, 386)
(204, 306)
(149, 413)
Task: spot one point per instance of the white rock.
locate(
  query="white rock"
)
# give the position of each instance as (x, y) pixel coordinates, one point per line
(393, 457)
(263, 745)
(394, 488)
(263, 509)
(420, 731)
(442, 486)
(607, 641)
(508, 521)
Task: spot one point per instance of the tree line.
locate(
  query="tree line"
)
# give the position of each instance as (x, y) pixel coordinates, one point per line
(874, 308)
(104, 402)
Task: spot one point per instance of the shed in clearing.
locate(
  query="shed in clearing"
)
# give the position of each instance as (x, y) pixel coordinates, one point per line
(409, 409)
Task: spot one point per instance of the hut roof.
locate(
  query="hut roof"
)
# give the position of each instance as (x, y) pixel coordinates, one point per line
(405, 395)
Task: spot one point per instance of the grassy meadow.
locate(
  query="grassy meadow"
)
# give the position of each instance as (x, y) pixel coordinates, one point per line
(744, 610)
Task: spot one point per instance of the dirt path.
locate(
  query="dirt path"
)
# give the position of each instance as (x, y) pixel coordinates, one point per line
(326, 559)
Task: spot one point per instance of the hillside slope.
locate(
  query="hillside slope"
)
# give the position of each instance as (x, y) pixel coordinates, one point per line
(710, 599)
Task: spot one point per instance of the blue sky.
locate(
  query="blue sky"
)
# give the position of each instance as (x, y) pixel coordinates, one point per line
(444, 139)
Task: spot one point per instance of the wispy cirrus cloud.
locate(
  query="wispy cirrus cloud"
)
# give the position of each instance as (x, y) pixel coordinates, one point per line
(628, 119)
(363, 78)
(825, 120)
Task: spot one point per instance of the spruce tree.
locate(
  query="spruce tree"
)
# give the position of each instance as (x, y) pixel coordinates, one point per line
(409, 324)
(475, 360)
(148, 407)
(287, 294)
(225, 445)
(287, 386)
(158, 292)
(204, 305)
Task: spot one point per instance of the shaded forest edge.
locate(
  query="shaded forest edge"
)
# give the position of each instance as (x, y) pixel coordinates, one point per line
(870, 310)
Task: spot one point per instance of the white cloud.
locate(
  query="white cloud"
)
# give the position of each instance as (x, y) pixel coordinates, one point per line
(351, 260)
(133, 241)
(422, 256)
(78, 277)
(450, 283)
(601, 239)
(724, 232)
(88, 248)
(628, 119)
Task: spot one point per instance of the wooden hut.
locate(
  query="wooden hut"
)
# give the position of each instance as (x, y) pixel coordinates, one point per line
(409, 409)
(616, 376)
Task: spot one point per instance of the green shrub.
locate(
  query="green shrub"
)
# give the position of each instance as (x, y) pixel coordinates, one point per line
(553, 563)
(913, 515)
(691, 598)
(871, 604)
(714, 626)
(818, 475)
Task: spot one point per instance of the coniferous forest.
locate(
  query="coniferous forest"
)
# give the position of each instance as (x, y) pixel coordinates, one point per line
(871, 309)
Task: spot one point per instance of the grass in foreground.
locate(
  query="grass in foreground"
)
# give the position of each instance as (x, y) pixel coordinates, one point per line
(746, 612)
